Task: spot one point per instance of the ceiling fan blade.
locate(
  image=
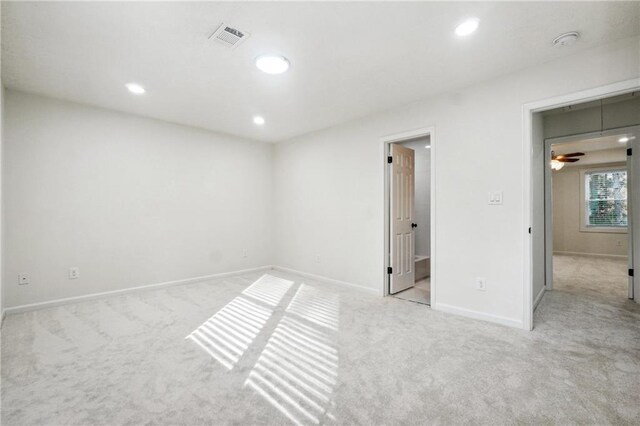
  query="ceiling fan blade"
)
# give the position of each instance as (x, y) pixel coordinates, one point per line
(561, 156)
(568, 160)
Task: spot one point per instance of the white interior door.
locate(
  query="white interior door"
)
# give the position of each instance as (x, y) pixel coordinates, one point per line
(402, 245)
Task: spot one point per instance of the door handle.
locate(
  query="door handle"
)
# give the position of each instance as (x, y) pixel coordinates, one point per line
(414, 225)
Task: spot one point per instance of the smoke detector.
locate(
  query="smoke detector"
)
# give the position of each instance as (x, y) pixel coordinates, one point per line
(566, 39)
(228, 36)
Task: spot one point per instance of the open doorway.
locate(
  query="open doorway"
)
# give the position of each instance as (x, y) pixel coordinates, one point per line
(408, 228)
(585, 183)
(589, 217)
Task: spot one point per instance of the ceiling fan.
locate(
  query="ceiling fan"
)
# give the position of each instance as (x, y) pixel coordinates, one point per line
(557, 161)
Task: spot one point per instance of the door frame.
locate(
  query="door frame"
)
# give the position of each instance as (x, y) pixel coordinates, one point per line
(385, 147)
(548, 195)
(528, 110)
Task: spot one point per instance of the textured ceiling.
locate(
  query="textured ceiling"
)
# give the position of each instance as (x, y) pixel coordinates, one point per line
(348, 59)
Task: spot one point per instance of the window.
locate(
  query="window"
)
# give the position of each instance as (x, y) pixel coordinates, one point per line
(604, 200)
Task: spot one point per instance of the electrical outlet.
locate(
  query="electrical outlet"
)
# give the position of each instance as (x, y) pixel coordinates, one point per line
(317, 258)
(619, 243)
(23, 279)
(244, 253)
(481, 284)
(74, 273)
(495, 197)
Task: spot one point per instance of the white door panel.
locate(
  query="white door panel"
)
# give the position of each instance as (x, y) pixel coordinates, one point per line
(402, 226)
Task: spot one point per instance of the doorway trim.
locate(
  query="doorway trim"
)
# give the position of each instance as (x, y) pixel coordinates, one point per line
(385, 143)
(528, 110)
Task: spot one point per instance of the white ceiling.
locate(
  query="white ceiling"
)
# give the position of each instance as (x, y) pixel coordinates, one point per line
(599, 150)
(348, 59)
(590, 145)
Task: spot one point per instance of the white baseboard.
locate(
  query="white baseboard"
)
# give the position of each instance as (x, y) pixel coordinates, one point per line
(539, 297)
(477, 315)
(328, 280)
(438, 306)
(575, 253)
(75, 299)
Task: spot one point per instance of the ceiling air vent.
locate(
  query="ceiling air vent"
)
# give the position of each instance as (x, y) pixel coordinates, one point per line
(230, 37)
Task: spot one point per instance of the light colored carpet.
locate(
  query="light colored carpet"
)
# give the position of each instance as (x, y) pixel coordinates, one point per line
(281, 350)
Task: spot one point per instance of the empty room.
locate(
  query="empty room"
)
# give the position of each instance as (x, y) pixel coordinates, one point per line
(358, 213)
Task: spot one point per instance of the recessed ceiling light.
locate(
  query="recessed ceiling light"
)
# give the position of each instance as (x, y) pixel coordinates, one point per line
(428, 146)
(566, 39)
(272, 64)
(467, 27)
(258, 120)
(135, 88)
(623, 139)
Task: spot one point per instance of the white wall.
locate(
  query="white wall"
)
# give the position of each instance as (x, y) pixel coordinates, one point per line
(2, 299)
(329, 185)
(613, 113)
(2, 223)
(130, 201)
(567, 237)
(422, 201)
(133, 201)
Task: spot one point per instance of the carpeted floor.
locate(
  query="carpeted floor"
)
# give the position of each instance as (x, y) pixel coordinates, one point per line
(281, 349)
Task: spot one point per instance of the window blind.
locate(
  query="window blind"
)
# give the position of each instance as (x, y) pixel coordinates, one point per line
(606, 198)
